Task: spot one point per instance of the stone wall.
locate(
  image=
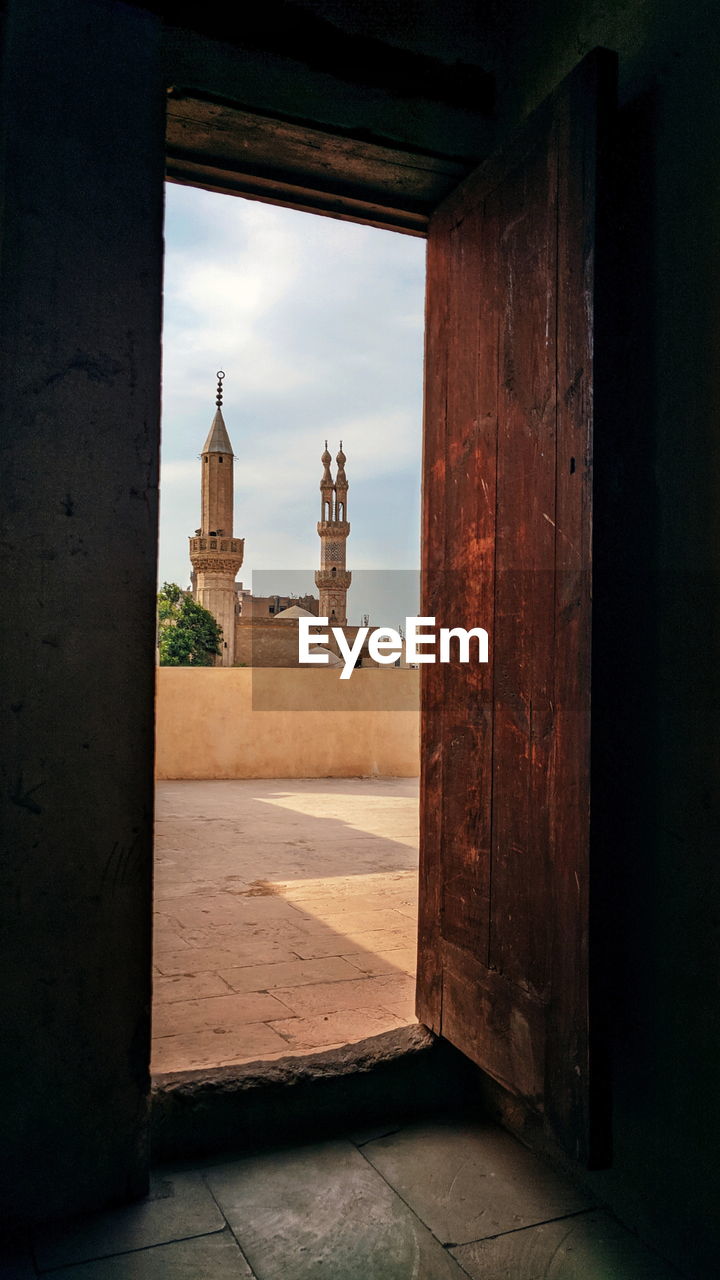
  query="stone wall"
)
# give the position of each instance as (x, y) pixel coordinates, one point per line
(80, 314)
(266, 641)
(207, 726)
(273, 642)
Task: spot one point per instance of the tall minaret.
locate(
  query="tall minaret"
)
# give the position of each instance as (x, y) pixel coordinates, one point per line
(215, 555)
(332, 578)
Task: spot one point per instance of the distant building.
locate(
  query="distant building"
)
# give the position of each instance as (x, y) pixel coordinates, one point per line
(250, 606)
(332, 578)
(261, 630)
(215, 554)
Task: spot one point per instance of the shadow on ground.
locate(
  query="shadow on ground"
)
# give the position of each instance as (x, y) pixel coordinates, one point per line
(285, 917)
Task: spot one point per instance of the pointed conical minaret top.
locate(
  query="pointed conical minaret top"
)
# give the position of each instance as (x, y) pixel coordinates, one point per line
(215, 553)
(218, 440)
(341, 460)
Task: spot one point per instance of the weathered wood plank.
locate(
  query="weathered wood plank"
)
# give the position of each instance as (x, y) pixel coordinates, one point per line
(287, 196)
(509, 396)
(438, 305)
(468, 592)
(501, 1027)
(525, 272)
(582, 121)
(290, 162)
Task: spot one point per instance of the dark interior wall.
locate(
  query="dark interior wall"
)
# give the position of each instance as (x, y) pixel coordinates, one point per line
(428, 88)
(80, 339)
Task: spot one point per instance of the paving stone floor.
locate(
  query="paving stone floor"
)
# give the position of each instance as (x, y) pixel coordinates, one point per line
(438, 1200)
(285, 917)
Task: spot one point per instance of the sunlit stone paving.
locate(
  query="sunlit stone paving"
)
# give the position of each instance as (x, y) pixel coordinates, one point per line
(285, 917)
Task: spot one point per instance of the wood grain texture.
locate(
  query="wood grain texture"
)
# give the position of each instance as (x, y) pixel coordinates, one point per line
(429, 968)
(223, 147)
(507, 535)
(502, 1028)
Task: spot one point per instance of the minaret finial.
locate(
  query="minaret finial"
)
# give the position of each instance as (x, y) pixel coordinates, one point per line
(215, 553)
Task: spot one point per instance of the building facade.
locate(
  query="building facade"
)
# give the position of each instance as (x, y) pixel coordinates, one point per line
(333, 578)
(216, 555)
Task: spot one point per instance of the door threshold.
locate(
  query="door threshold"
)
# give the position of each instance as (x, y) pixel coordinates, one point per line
(395, 1076)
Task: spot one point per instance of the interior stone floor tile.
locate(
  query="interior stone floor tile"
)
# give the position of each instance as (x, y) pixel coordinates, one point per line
(179, 1206)
(367, 1206)
(361, 1136)
(215, 1257)
(16, 1264)
(470, 1181)
(591, 1246)
(324, 1211)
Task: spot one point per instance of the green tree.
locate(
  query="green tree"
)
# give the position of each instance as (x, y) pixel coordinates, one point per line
(188, 635)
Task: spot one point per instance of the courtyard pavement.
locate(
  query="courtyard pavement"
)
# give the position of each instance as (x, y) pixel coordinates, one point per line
(285, 917)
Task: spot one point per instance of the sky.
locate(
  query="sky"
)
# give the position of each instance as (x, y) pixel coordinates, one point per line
(318, 325)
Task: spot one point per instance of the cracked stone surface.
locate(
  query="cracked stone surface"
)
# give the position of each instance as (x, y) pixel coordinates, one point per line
(364, 1206)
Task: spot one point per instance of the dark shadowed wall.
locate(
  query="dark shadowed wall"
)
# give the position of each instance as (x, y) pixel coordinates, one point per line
(80, 338)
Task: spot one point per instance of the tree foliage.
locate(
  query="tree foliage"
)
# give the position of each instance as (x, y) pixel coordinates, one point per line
(188, 635)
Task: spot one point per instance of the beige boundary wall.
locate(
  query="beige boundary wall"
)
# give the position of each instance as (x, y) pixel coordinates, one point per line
(206, 726)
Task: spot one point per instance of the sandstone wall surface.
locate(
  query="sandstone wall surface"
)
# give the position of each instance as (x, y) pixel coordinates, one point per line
(210, 723)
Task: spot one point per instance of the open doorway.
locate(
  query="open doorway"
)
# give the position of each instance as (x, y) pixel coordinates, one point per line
(287, 800)
(508, 971)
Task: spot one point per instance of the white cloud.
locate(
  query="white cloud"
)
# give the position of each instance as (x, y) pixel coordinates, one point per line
(318, 325)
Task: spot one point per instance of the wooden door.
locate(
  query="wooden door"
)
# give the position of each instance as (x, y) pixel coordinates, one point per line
(504, 964)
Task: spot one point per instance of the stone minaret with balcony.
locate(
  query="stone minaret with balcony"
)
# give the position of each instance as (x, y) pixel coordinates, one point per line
(215, 554)
(332, 578)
